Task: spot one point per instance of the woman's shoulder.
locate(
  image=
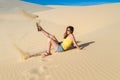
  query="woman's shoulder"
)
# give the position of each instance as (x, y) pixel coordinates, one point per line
(71, 35)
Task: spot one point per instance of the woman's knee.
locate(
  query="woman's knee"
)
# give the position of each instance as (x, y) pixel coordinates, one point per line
(49, 40)
(53, 37)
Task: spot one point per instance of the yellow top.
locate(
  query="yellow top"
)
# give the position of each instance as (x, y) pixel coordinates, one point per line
(66, 43)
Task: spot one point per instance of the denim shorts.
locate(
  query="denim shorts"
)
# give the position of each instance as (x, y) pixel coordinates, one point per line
(60, 48)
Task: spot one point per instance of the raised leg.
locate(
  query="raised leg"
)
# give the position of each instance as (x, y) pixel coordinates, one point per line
(45, 32)
(52, 39)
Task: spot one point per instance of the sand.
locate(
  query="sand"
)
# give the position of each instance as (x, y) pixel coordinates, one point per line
(96, 27)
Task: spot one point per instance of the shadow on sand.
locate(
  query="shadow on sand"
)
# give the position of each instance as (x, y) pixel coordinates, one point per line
(82, 46)
(26, 55)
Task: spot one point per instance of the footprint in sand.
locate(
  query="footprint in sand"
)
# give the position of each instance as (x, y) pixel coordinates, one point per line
(40, 73)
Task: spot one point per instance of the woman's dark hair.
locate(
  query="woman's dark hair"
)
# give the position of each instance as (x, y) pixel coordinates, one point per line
(71, 30)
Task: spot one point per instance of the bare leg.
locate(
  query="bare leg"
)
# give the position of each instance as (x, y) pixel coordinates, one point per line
(45, 32)
(52, 43)
(52, 39)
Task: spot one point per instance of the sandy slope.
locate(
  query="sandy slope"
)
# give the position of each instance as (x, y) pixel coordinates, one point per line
(86, 19)
(97, 27)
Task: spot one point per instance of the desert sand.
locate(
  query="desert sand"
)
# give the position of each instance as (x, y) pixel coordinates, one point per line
(96, 28)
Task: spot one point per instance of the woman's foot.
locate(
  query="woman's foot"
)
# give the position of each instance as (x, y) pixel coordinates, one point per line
(46, 54)
(38, 27)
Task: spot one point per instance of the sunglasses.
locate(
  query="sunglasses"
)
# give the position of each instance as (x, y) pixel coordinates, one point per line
(68, 30)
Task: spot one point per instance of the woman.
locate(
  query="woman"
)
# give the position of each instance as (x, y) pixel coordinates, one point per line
(68, 41)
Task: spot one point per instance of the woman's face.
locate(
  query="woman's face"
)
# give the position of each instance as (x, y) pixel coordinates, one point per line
(68, 31)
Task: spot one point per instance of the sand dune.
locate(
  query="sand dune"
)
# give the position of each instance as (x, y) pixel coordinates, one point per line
(10, 6)
(96, 27)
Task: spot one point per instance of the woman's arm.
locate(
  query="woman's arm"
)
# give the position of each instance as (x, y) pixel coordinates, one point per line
(74, 41)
